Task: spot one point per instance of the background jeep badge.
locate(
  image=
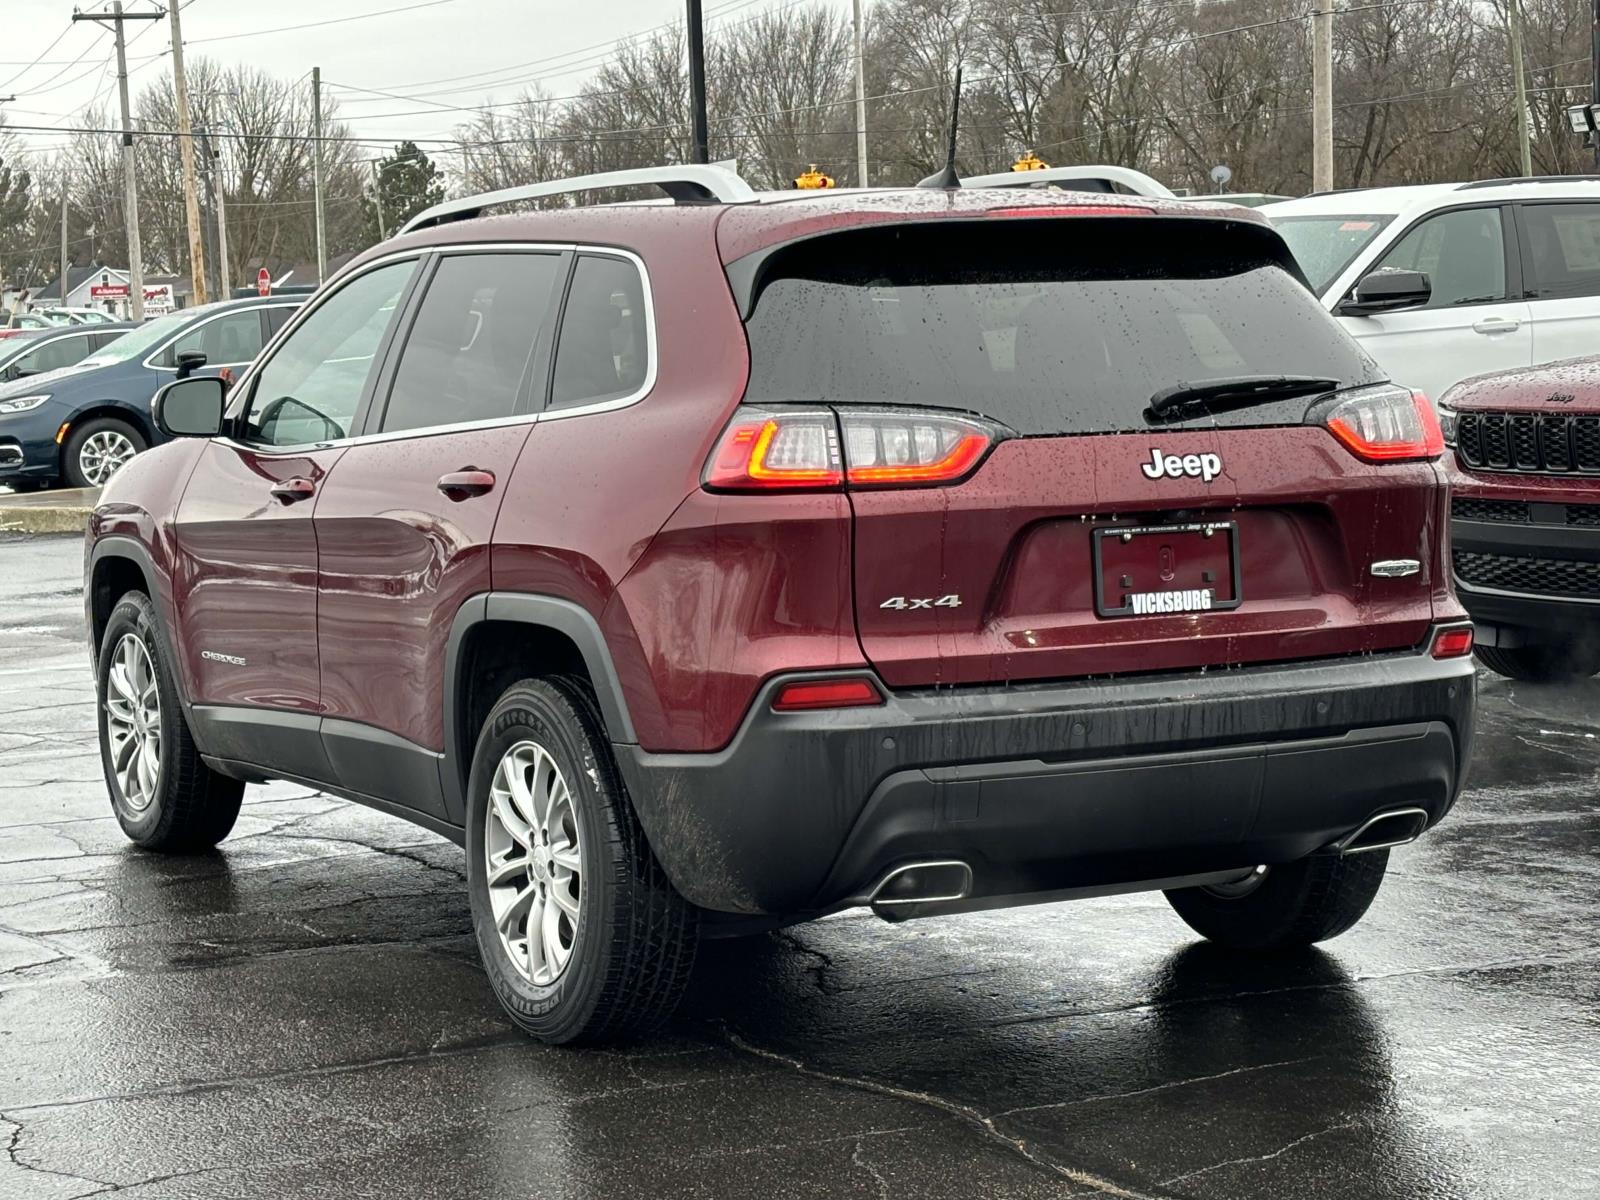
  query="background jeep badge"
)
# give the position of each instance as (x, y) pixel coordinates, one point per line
(1204, 467)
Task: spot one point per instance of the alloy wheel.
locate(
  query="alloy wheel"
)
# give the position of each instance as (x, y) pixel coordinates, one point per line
(103, 454)
(133, 722)
(534, 862)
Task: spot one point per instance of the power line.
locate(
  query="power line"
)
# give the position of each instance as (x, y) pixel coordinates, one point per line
(384, 12)
(59, 38)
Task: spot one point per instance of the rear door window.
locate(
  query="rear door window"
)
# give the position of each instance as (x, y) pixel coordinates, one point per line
(1562, 250)
(53, 355)
(1051, 327)
(470, 352)
(228, 341)
(604, 351)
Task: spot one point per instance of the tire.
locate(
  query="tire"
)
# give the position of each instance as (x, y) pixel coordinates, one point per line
(97, 450)
(1573, 658)
(618, 969)
(1293, 905)
(177, 804)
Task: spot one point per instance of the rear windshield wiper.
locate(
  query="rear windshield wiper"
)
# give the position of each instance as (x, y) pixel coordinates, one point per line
(1239, 391)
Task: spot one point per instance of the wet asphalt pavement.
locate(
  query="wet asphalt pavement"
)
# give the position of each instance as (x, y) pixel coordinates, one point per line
(302, 1013)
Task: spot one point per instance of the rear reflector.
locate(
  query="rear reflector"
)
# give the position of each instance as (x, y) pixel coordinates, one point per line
(1386, 423)
(808, 694)
(800, 449)
(1453, 642)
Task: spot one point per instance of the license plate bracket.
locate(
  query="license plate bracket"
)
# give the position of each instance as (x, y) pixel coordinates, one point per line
(1159, 570)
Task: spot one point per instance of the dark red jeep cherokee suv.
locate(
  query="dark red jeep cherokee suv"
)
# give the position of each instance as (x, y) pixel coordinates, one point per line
(707, 566)
(1525, 520)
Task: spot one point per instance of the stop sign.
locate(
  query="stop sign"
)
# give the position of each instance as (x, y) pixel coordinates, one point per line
(263, 283)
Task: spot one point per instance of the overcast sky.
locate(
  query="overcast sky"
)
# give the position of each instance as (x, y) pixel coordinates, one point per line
(509, 41)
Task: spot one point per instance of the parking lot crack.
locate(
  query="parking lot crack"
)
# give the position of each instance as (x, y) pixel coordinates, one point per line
(985, 1125)
(821, 967)
(1160, 1087)
(862, 1164)
(1342, 1127)
(401, 852)
(14, 1157)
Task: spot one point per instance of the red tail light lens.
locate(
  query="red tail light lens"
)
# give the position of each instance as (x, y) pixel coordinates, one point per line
(1453, 642)
(765, 449)
(889, 448)
(1386, 424)
(809, 694)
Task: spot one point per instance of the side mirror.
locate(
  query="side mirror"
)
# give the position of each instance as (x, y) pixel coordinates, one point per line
(20, 372)
(1387, 290)
(190, 407)
(189, 362)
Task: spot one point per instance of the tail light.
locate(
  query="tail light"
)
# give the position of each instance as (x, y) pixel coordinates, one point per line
(1386, 424)
(1452, 642)
(812, 449)
(764, 450)
(806, 695)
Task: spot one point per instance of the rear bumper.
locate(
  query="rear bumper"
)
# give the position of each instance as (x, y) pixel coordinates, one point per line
(1045, 788)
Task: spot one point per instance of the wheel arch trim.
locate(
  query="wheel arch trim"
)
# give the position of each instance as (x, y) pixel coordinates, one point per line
(571, 620)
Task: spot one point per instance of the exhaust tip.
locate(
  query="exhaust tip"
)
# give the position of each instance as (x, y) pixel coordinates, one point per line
(922, 883)
(1393, 828)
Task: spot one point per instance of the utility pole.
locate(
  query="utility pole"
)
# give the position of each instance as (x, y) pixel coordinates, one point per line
(316, 173)
(1322, 96)
(1594, 59)
(222, 228)
(1514, 19)
(116, 18)
(377, 198)
(697, 83)
(63, 238)
(191, 187)
(861, 101)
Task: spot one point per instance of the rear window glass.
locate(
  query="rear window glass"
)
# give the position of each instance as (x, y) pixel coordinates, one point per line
(1069, 326)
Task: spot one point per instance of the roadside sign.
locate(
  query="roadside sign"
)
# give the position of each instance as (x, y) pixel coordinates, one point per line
(263, 283)
(109, 291)
(158, 300)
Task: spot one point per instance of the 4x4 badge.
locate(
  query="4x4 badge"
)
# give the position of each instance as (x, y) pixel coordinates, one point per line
(1204, 467)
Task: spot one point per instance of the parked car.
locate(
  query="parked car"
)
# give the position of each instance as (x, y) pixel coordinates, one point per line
(18, 321)
(714, 566)
(79, 425)
(1441, 282)
(37, 351)
(1525, 518)
(80, 316)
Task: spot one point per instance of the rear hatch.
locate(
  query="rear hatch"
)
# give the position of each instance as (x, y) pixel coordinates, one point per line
(1093, 444)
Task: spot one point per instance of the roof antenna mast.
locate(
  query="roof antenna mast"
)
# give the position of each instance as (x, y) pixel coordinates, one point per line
(947, 178)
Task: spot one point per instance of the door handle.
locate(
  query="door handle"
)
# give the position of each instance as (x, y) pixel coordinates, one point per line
(1493, 325)
(294, 489)
(469, 481)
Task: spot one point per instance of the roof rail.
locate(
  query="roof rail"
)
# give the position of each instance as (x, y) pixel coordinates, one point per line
(1136, 182)
(690, 182)
(1484, 183)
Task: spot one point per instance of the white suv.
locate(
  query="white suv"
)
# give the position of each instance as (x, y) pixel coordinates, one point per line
(1443, 281)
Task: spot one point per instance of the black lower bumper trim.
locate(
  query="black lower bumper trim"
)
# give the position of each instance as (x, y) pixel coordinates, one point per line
(1046, 787)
